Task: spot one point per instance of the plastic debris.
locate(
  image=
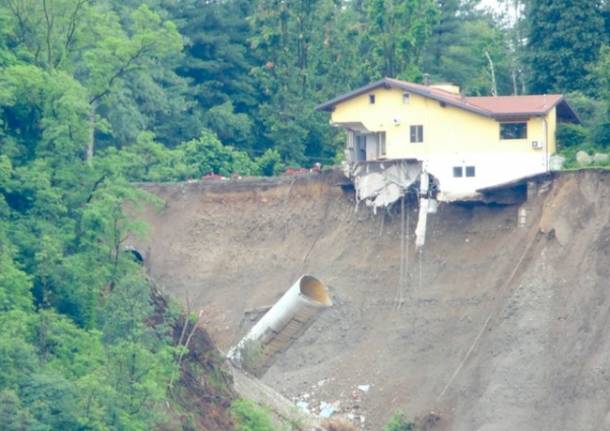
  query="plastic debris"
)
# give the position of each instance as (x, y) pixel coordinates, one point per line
(364, 388)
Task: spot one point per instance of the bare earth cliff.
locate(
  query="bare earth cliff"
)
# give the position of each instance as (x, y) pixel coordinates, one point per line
(501, 328)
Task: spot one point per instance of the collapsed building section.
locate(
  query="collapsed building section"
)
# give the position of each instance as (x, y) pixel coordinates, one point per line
(380, 184)
(456, 147)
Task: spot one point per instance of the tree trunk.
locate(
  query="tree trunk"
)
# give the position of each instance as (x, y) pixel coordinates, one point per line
(92, 126)
(492, 72)
(513, 74)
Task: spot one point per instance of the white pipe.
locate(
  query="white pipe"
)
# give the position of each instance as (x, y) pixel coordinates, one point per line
(288, 319)
(546, 144)
(420, 229)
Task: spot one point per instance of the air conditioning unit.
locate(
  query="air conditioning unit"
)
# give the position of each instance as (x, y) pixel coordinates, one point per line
(537, 145)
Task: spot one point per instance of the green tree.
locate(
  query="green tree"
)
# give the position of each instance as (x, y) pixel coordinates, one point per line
(397, 31)
(295, 53)
(217, 61)
(90, 43)
(564, 37)
(601, 71)
(14, 416)
(444, 32)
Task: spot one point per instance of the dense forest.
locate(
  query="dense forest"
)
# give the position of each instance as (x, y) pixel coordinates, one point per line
(98, 94)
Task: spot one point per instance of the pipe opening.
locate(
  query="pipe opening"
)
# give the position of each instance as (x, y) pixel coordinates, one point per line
(135, 255)
(315, 290)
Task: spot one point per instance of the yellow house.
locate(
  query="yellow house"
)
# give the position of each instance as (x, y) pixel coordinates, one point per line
(464, 143)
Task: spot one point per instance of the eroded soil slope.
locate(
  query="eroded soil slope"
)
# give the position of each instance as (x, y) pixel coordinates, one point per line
(502, 327)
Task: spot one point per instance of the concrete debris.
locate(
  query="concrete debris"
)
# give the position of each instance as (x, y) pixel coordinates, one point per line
(347, 406)
(303, 405)
(600, 158)
(380, 184)
(328, 409)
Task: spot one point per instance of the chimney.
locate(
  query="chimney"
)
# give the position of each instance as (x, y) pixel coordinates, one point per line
(449, 88)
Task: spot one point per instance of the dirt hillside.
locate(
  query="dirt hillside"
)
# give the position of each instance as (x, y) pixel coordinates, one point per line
(502, 327)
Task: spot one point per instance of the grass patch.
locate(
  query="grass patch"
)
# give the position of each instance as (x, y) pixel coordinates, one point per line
(249, 416)
(399, 422)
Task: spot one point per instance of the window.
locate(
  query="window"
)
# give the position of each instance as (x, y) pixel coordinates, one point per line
(470, 172)
(458, 172)
(372, 99)
(406, 97)
(382, 151)
(513, 130)
(417, 133)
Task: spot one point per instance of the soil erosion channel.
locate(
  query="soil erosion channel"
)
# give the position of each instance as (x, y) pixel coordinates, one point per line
(502, 327)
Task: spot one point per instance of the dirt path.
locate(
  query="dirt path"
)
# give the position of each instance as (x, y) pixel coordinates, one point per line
(509, 329)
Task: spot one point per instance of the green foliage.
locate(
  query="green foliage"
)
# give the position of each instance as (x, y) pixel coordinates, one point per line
(231, 127)
(464, 60)
(396, 34)
(398, 422)
(218, 61)
(601, 134)
(250, 417)
(270, 163)
(63, 274)
(564, 37)
(601, 71)
(588, 109)
(207, 155)
(251, 356)
(14, 416)
(571, 135)
(96, 95)
(15, 285)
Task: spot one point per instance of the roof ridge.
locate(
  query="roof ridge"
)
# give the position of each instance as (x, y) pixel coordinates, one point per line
(481, 105)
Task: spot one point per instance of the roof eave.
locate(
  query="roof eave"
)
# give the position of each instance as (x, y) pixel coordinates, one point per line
(392, 83)
(571, 113)
(329, 105)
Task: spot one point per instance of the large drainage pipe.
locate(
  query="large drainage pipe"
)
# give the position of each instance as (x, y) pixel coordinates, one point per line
(286, 321)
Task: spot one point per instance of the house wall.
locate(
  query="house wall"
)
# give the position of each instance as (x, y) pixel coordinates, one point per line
(452, 137)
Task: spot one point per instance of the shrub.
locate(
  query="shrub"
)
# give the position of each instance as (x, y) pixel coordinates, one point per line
(251, 356)
(571, 135)
(250, 417)
(208, 155)
(270, 163)
(601, 135)
(399, 422)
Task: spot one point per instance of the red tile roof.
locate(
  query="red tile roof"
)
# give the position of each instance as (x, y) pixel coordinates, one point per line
(498, 107)
(503, 105)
